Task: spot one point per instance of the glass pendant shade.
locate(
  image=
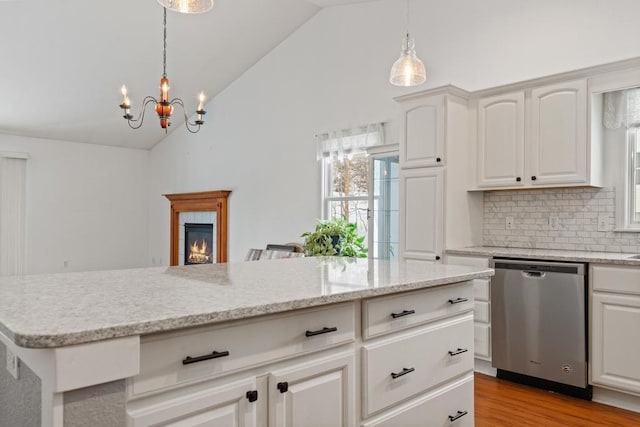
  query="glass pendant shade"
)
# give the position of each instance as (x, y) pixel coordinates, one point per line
(408, 70)
(187, 6)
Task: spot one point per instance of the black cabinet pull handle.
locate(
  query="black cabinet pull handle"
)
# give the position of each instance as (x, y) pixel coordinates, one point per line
(458, 351)
(518, 179)
(403, 313)
(320, 332)
(438, 159)
(437, 257)
(460, 414)
(283, 387)
(404, 371)
(533, 178)
(216, 354)
(252, 395)
(458, 300)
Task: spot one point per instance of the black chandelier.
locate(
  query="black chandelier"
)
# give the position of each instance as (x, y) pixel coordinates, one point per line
(163, 106)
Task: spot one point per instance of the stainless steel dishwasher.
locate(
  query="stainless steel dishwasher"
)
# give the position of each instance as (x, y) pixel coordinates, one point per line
(539, 324)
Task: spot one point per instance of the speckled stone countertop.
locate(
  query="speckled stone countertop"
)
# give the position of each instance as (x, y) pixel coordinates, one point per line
(56, 310)
(549, 254)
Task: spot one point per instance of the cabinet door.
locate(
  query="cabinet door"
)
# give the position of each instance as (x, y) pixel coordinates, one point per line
(220, 406)
(615, 344)
(319, 393)
(421, 213)
(422, 133)
(558, 134)
(501, 141)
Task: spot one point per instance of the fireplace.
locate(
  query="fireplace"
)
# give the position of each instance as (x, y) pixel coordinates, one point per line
(198, 243)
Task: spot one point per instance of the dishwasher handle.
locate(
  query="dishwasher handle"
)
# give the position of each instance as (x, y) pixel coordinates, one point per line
(534, 274)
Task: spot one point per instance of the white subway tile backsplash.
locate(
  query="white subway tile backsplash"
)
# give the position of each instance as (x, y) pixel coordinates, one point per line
(577, 209)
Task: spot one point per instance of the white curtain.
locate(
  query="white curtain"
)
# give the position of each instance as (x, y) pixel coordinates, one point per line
(622, 109)
(13, 177)
(347, 141)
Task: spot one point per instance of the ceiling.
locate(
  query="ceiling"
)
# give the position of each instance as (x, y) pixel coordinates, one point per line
(64, 61)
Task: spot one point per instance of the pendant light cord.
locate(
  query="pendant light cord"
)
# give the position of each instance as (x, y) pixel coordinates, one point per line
(164, 49)
(407, 18)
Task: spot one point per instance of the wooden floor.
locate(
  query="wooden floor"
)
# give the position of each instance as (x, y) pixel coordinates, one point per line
(503, 403)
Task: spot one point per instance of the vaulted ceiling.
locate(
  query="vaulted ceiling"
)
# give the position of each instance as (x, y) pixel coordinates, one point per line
(63, 61)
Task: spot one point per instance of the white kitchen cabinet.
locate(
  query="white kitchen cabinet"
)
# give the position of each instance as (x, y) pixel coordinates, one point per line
(558, 134)
(482, 305)
(319, 393)
(227, 405)
(615, 331)
(422, 132)
(421, 219)
(536, 137)
(501, 140)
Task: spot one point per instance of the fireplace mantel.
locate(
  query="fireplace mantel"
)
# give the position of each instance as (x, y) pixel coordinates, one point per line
(203, 201)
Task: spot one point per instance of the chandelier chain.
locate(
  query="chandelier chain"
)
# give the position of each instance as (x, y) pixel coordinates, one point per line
(164, 49)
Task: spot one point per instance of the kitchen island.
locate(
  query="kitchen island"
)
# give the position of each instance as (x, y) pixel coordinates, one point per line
(339, 341)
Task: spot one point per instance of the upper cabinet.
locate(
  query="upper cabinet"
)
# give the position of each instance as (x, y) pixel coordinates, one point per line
(501, 140)
(422, 132)
(558, 134)
(536, 137)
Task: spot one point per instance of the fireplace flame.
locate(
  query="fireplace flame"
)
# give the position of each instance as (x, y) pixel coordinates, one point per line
(198, 253)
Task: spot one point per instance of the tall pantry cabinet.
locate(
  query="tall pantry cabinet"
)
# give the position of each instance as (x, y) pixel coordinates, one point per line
(433, 172)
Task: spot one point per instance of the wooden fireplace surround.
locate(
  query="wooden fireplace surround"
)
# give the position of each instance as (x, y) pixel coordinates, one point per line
(204, 201)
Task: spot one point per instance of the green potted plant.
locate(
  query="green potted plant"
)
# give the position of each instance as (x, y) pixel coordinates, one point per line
(334, 237)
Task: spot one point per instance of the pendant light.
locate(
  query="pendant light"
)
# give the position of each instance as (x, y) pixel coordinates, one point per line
(408, 70)
(187, 6)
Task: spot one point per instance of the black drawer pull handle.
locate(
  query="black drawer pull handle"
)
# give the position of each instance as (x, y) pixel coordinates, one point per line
(460, 414)
(216, 354)
(403, 313)
(458, 351)
(320, 332)
(458, 300)
(404, 371)
(283, 387)
(252, 395)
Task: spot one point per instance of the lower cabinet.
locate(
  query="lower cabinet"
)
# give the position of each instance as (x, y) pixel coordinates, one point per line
(408, 362)
(448, 405)
(320, 393)
(615, 327)
(232, 405)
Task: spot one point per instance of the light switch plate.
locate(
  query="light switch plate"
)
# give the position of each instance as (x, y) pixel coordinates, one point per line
(603, 223)
(554, 222)
(509, 223)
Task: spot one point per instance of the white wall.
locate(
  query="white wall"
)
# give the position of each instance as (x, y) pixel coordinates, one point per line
(86, 205)
(332, 73)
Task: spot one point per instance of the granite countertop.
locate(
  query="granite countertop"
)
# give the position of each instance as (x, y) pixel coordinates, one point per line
(549, 254)
(55, 310)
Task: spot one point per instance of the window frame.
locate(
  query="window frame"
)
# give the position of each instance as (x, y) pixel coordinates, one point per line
(632, 145)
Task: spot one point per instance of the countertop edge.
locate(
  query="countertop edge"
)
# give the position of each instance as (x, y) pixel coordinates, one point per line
(548, 254)
(204, 319)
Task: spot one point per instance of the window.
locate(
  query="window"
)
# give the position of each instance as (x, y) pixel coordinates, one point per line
(346, 185)
(621, 121)
(633, 178)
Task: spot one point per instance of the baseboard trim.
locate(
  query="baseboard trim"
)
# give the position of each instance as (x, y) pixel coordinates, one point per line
(484, 367)
(618, 399)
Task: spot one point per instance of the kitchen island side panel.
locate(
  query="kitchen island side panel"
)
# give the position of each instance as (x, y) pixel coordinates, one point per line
(20, 400)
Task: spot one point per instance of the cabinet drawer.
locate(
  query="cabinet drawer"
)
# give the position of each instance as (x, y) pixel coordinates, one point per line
(439, 407)
(387, 314)
(482, 340)
(481, 289)
(481, 311)
(248, 343)
(397, 368)
(616, 278)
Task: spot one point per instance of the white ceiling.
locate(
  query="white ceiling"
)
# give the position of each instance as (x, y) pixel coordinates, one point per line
(63, 61)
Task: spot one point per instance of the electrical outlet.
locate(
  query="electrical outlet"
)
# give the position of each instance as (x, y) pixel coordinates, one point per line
(12, 364)
(603, 222)
(509, 223)
(554, 222)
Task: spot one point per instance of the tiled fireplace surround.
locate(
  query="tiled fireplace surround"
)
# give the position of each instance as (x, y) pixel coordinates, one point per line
(578, 210)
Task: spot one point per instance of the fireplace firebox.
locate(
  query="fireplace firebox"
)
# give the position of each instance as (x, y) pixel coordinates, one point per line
(198, 244)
